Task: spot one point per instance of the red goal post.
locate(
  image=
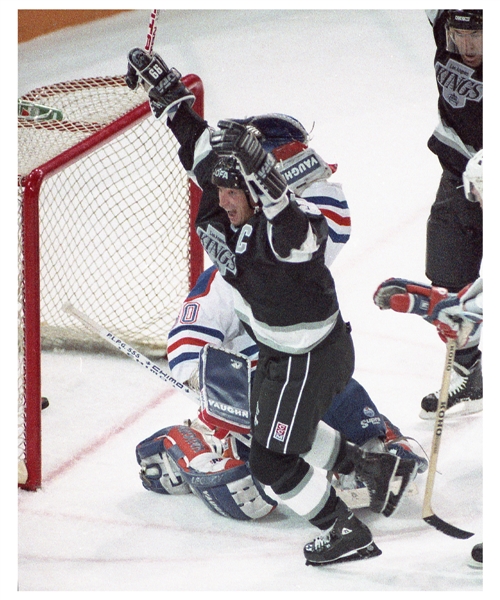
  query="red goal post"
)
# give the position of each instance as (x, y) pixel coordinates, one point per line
(106, 222)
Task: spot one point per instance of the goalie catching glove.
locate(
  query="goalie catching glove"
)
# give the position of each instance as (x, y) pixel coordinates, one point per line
(163, 85)
(258, 167)
(455, 316)
(178, 460)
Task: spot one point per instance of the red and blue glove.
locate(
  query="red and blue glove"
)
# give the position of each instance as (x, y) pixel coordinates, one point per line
(455, 316)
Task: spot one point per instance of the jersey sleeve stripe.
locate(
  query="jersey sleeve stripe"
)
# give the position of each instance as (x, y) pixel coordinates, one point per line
(338, 238)
(345, 221)
(184, 357)
(208, 331)
(327, 200)
(202, 287)
(186, 342)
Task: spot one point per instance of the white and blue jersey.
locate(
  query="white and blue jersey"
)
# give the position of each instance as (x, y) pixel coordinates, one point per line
(207, 316)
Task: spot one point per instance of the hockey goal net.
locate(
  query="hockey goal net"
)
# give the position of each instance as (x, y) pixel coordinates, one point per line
(106, 222)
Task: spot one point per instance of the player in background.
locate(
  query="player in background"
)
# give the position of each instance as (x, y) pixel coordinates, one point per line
(457, 316)
(269, 245)
(454, 227)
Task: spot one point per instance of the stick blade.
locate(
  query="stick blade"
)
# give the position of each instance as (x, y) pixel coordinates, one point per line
(447, 528)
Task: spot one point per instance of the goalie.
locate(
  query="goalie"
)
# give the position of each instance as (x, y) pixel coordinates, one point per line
(270, 246)
(209, 343)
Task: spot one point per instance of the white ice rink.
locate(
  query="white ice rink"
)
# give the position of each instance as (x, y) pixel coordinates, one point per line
(363, 82)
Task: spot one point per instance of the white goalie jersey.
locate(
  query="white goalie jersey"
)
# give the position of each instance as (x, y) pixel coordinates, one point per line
(207, 316)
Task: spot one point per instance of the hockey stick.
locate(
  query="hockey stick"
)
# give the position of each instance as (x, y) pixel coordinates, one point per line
(153, 368)
(130, 352)
(150, 39)
(427, 513)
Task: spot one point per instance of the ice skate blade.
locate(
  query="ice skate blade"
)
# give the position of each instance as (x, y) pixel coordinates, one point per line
(462, 409)
(474, 564)
(369, 551)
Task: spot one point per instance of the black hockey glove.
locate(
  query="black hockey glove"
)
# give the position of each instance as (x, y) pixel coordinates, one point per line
(259, 170)
(131, 78)
(163, 85)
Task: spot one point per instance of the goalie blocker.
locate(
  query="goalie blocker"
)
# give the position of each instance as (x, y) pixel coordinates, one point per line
(221, 370)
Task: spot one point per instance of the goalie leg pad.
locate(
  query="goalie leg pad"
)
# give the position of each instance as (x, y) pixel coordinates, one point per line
(353, 413)
(225, 485)
(159, 472)
(234, 493)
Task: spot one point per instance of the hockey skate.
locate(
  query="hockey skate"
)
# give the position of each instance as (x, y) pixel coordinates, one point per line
(347, 540)
(465, 396)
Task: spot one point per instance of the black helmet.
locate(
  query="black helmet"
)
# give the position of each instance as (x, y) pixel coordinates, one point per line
(465, 19)
(227, 174)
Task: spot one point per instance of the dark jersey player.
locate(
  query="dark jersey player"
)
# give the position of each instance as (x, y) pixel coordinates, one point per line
(269, 245)
(454, 228)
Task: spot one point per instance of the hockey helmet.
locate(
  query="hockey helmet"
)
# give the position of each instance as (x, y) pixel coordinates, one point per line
(227, 174)
(464, 20)
(276, 131)
(287, 140)
(473, 178)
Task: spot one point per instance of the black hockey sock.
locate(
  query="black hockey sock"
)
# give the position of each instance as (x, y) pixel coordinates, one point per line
(327, 515)
(467, 357)
(348, 453)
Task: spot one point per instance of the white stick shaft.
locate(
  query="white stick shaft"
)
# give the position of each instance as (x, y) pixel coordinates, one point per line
(438, 426)
(150, 39)
(140, 358)
(131, 352)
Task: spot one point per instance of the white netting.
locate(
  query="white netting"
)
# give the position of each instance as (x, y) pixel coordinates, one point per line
(114, 226)
(112, 223)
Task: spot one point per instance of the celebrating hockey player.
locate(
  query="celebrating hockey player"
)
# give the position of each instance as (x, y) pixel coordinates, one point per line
(207, 321)
(207, 316)
(269, 245)
(454, 227)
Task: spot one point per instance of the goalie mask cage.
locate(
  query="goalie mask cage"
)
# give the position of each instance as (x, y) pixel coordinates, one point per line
(106, 222)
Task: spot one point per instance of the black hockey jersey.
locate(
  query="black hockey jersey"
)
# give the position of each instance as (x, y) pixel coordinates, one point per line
(282, 289)
(459, 134)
